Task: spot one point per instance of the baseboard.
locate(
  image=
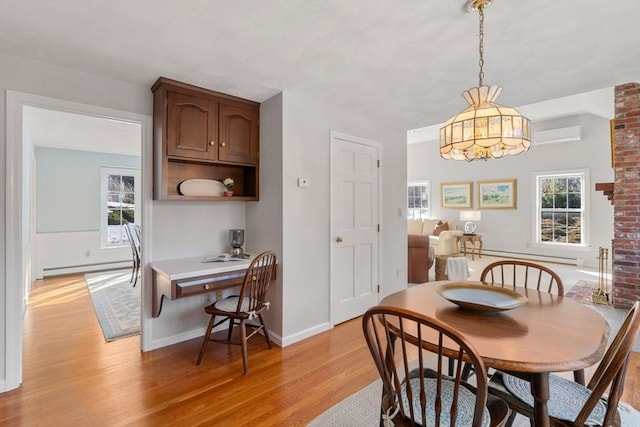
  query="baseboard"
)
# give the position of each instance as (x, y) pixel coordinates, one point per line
(86, 268)
(531, 257)
(299, 336)
(275, 338)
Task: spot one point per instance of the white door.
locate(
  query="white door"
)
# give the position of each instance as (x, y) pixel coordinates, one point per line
(355, 227)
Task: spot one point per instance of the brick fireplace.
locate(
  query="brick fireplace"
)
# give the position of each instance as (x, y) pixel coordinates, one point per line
(626, 196)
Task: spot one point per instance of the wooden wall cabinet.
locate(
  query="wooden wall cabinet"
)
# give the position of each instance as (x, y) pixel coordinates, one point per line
(199, 133)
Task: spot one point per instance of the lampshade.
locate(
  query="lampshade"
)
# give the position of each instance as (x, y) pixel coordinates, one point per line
(470, 215)
(485, 129)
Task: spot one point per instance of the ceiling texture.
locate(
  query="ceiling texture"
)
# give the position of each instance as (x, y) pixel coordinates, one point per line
(403, 62)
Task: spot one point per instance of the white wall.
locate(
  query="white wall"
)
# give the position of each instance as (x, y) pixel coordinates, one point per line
(511, 230)
(179, 229)
(264, 218)
(68, 235)
(306, 234)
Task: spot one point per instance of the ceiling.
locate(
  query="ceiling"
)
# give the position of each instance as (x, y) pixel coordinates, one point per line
(403, 62)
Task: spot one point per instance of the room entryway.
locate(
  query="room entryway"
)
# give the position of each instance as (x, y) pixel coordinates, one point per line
(355, 226)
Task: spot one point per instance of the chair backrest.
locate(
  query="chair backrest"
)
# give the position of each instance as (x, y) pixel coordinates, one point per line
(256, 282)
(512, 273)
(612, 369)
(420, 355)
(134, 240)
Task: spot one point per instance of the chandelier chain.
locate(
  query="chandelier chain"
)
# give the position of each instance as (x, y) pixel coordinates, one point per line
(481, 48)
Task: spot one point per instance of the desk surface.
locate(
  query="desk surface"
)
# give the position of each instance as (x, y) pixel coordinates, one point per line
(547, 334)
(185, 268)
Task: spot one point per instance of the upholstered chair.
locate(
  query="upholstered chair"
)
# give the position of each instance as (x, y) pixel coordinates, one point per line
(420, 258)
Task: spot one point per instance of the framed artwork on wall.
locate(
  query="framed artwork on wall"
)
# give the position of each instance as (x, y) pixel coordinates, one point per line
(456, 195)
(497, 194)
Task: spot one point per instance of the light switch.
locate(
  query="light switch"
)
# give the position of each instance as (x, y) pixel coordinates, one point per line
(303, 182)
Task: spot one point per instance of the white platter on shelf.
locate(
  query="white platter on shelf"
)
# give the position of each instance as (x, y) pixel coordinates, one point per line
(201, 187)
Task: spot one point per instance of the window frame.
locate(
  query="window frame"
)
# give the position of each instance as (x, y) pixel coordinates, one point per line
(584, 210)
(105, 171)
(425, 183)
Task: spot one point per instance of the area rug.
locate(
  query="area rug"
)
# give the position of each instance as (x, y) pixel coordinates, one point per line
(361, 409)
(116, 303)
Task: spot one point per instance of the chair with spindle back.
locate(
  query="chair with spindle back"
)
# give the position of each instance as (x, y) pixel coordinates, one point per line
(573, 404)
(409, 350)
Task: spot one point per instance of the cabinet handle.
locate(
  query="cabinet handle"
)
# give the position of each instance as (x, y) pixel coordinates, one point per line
(222, 144)
(338, 239)
(206, 286)
(212, 143)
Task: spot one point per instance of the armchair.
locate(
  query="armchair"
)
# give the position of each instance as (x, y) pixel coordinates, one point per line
(442, 234)
(420, 258)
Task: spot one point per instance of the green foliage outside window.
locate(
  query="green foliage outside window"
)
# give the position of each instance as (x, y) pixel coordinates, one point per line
(561, 208)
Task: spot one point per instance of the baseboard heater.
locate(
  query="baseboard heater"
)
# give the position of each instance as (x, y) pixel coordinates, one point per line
(531, 257)
(85, 268)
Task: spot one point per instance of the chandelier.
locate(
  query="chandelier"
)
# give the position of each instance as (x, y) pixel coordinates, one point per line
(485, 129)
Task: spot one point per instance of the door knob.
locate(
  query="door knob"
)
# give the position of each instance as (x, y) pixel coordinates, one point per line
(223, 144)
(212, 143)
(339, 239)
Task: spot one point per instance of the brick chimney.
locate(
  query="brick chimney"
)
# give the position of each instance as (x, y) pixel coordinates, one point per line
(626, 199)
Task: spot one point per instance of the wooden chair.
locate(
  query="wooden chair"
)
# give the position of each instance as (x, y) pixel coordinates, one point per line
(133, 234)
(570, 403)
(416, 390)
(513, 273)
(525, 274)
(247, 305)
(516, 273)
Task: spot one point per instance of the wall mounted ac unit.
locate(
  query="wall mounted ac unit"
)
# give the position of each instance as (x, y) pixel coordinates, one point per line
(568, 134)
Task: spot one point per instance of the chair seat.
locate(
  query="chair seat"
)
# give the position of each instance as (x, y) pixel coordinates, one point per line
(230, 304)
(566, 398)
(466, 402)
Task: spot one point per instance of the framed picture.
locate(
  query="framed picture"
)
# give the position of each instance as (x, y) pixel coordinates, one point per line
(456, 195)
(497, 194)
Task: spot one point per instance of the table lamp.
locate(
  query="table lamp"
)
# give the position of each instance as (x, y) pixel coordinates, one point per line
(469, 217)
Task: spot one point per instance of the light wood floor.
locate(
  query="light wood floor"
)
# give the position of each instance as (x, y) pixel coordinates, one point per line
(72, 377)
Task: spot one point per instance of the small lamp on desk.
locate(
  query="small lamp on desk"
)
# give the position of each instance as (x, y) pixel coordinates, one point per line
(470, 217)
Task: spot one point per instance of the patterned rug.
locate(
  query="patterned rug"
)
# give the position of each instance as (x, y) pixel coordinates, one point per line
(361, 409)
(116, 303)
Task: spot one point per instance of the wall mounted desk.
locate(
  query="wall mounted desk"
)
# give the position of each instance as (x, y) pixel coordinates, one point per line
(180, 278)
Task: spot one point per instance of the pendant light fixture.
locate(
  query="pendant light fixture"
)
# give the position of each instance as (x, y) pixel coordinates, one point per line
(485, 129)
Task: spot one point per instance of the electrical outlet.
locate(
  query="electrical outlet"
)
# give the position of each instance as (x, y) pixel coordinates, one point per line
(218, 295)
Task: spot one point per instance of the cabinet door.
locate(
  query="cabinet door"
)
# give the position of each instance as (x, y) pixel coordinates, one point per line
(192, 128)
(238, 134)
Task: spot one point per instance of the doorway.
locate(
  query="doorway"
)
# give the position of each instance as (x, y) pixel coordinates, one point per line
(20, 250)
(355, 226)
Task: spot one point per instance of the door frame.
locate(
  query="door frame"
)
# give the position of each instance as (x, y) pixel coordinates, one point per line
(14, 306)
(334, 135)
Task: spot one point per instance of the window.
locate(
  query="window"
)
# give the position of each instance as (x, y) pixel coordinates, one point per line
(561, 208)
(418, 196)
(119, 196)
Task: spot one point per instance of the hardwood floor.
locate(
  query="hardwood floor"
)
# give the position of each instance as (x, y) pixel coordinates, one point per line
(72, 377)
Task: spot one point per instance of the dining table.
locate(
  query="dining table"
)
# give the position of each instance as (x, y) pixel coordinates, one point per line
(544, 334)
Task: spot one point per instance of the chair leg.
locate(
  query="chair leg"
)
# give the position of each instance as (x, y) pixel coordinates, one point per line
(231, 323)
(133, 270)
(243, 343)
(136, 271)
(205, 341)
(265, 330)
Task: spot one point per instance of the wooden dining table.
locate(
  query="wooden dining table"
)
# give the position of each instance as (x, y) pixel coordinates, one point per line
(548, 333)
